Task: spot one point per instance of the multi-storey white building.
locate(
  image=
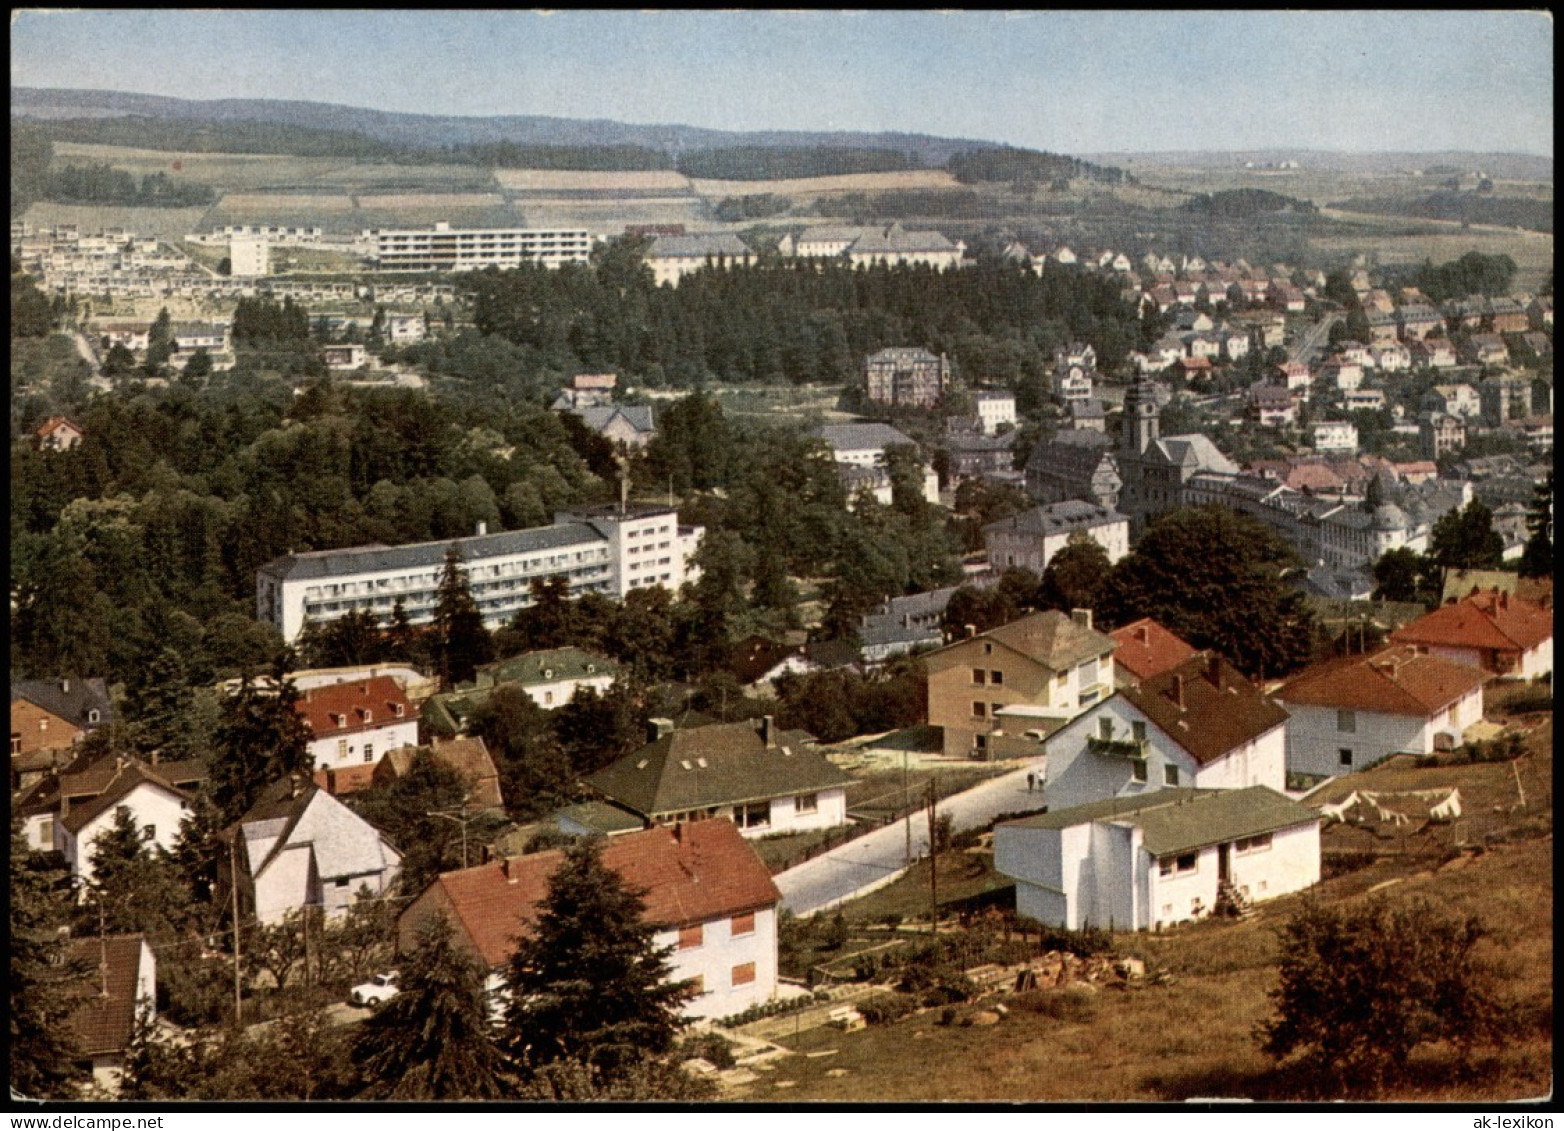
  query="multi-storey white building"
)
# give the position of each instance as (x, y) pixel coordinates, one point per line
(248, 256)
(608, 549)
(443, 248)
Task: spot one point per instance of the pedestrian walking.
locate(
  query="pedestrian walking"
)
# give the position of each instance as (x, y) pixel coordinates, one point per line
(1030, 780)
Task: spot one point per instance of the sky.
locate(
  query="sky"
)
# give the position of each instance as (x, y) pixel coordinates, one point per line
(1067, 81)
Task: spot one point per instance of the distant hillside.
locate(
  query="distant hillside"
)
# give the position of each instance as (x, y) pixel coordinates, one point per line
(1467, 207)
(430, 131)
(1524, 166)
(1242, 204)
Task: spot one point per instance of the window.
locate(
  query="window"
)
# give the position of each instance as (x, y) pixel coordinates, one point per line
(1254, 843)
(548, 698)
(1138, 729)
(1346, 756)
(1170, 774)
(980, 742)
(92, 715)
(755, 816)
(342, 748)
(1105, 728)
(1347, 721)
(744, 924)
(806, 803)
(342, 883)
(996, 678)
(980, 709)
(1138, 769)
(369, 751)
(691, 937)
(988, 649)
(979, 675)
(744, 974)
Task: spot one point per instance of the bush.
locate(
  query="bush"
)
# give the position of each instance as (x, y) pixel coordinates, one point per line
(1062, 1004)
(882, 1009)
(1339, 864)
(1083, 943)
(708, 1046)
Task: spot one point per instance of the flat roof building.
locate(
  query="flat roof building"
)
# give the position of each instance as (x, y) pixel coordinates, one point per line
(443, 248)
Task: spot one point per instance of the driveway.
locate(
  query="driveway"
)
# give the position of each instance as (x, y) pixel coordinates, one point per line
(876, 859)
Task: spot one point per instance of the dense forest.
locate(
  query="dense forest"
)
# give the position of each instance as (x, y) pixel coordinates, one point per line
(1467, 207)
(104, 184)
(1473, 274)
(1241, 204)
(769, 163)
(1027, 165)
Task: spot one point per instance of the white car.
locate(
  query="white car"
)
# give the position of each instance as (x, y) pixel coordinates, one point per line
(377, 991)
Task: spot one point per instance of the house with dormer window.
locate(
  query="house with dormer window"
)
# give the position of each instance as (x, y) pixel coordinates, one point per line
(355, 723)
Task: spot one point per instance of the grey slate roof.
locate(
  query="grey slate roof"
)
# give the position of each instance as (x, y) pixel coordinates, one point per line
(599, 417)
(72, 700)
(1196, 451)
(722, 764)
(1057, 518)
(1178, 820)
(857, 437)
(706, 246)
(600, 816)
(557, 663)
(425, 555)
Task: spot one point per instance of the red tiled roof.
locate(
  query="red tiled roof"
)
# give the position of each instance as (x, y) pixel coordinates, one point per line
(705, 870)
(1486, 619)
(1393, 681)
(48, 426)
(104, 1022)
(1206, 706)
(1147, 649)
(361, 704)
(345, 779)
(467, 756)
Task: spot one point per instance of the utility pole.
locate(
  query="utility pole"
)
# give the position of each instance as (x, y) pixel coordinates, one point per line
(461, 818)
(906, 804)
(233, 882)
(103, 950)
(933, 868)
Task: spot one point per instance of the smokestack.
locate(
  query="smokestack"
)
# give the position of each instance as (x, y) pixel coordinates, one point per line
(768, 731)
(658, 728)
(1178, 691)
(1082, 617)
(1214, 671)
(483, 528)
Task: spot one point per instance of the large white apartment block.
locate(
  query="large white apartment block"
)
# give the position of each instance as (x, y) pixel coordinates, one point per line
(608, 549)
(248, 256)
(443, 248)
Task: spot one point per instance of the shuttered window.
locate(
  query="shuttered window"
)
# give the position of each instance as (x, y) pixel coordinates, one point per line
(744, 974)
(744, 924)
(690, 937)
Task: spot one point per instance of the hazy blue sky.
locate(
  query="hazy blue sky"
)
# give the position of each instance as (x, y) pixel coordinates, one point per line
(1067, 81)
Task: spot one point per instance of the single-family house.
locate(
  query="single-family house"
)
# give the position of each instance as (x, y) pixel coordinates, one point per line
(1506, 316)
(1030, 540)
(903, 624)
(1418, 321)
(1485, 349)
(299, 847)
(1341, 373)
(352, 724)
(121, 991)
(742, 771)
(1457, 400)
(1363, 400)
(629, 426)
(1384, 328)
(586, 390)
(1164, 858)
(865, 446)
(1493, 631)
(1348, 713)
(1334, 436)
(350, 356)
(57, 434)
(1032, 674)
(995, 409)
(708, 896)
(1392, 357)
(1294, 376)
(1200, 724)
(1539, 313)
(155, 804)
(1432, 353)
(1146, 650)
(469, 757)
(1272, 406)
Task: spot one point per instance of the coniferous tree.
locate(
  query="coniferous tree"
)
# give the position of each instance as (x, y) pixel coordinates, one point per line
(460, 635)
(261, 739)
(1466, 539)
(1537, 558)
(433, 1040)
(589, 983)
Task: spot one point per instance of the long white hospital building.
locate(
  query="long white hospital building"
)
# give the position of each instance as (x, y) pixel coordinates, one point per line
(443, 248)
(608, 549)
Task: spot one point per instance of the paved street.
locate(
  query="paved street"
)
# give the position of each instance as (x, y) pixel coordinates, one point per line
(877, 858)
(1307, 348)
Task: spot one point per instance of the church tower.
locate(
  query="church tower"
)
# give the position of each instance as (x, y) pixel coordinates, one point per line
(1141, 418)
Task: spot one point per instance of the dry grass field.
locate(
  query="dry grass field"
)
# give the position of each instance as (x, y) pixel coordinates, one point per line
(831, 186)
(264, 204)
(169, 224)
(1191, 1037)
(435, 200)
(575, 180)
(1397, 240)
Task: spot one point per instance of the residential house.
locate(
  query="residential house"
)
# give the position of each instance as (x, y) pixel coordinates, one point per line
(977, 456)
(1361, 400)
(894, 244)
(995, 410)
(1089, 415)
(550, 678)
(1192, 321)
(1146, 650)
(1504, 398)
(1286, 297)
(671, 258)
(1340, 373)
(865, 446)
(1493, 631)
(1506, 316)
(628, 426)
(1272, 406)
(1539, 313)
(1194, 368)
(1417, 322)
(1485, 349)
(1033, 674)
(1431, 353)
(906, 376)
(1032, 538)
(121, 991)
(1334, 436)
(1457, 400)
(155, 805)
(48, 717)
(1235, 343)
(1348, 713)
(352, 724)
(903, 624)
(1532, 348)
(469, 757)
(1074, 387)
(349, 356)
(586, 390)
(756, 662)
(1294, 376)
(47, 797)
(1384, 330)
(405, 329)
(299, 847)
(741, 771)
(707, 895)
(1152, 861)
(57, 434)
(1440, 434)
(1199, 724)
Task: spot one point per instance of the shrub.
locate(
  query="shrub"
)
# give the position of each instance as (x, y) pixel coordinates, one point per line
(1083, 943)
(708, 1046)
(1062, 1004)
(882, 1009)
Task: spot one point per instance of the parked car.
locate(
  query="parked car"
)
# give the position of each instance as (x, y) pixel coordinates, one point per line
(377, 991)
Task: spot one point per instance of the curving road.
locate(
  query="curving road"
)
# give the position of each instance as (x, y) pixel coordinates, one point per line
(875, 859)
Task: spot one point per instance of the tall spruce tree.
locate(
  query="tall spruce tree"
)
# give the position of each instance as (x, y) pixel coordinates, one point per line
(460, 635)
(589, 983)
(1537, 558)
(262, 738)
(433, 1040)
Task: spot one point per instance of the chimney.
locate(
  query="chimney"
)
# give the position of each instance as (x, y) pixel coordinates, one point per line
(678, 832)
(483, 528)
(768, 731)
(295, 785)
(1082, 617)
(1214, 671)
(1178, 691)
(507, 866)
(971, 630)
(65, 686)
(1144, 632)
(658, 728)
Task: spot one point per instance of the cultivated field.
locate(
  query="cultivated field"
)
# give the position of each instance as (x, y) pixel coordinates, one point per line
(832, 186)
(1397, 240)
(575, 180)
(434, 200)
(264, 204)
(169, 224)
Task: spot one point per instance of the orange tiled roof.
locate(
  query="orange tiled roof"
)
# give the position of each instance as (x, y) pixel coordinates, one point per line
(360, 704)
(1486, 619)
(1147, 649)
(103, 1023)
(345, 779)
(1393, 681)
(702, 871)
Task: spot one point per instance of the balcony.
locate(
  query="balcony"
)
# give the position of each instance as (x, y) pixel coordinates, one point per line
(1133, 749)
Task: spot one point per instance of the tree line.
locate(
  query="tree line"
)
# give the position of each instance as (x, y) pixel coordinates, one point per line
(104, 184)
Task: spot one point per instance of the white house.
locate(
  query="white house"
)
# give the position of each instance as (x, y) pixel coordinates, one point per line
(994, 410)
(708, 895)
(864, 446)
(122, 988)
(299, 847)
(155, 806)
(1149, 862)
(1349, 713)
(753, 774)
(353, 724)
(1032, 538)
(1504, 635)
(1199, 724)
(1335, 436)
(1392, 357)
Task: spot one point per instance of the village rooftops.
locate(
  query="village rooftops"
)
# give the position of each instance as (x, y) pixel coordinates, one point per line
(1392, 681)
(104, 1022)
(1179, 820)
(721, 764)
(1146, 649)
(689, 873)
(1206, 706)
(1486, 619)
(1051, 638)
